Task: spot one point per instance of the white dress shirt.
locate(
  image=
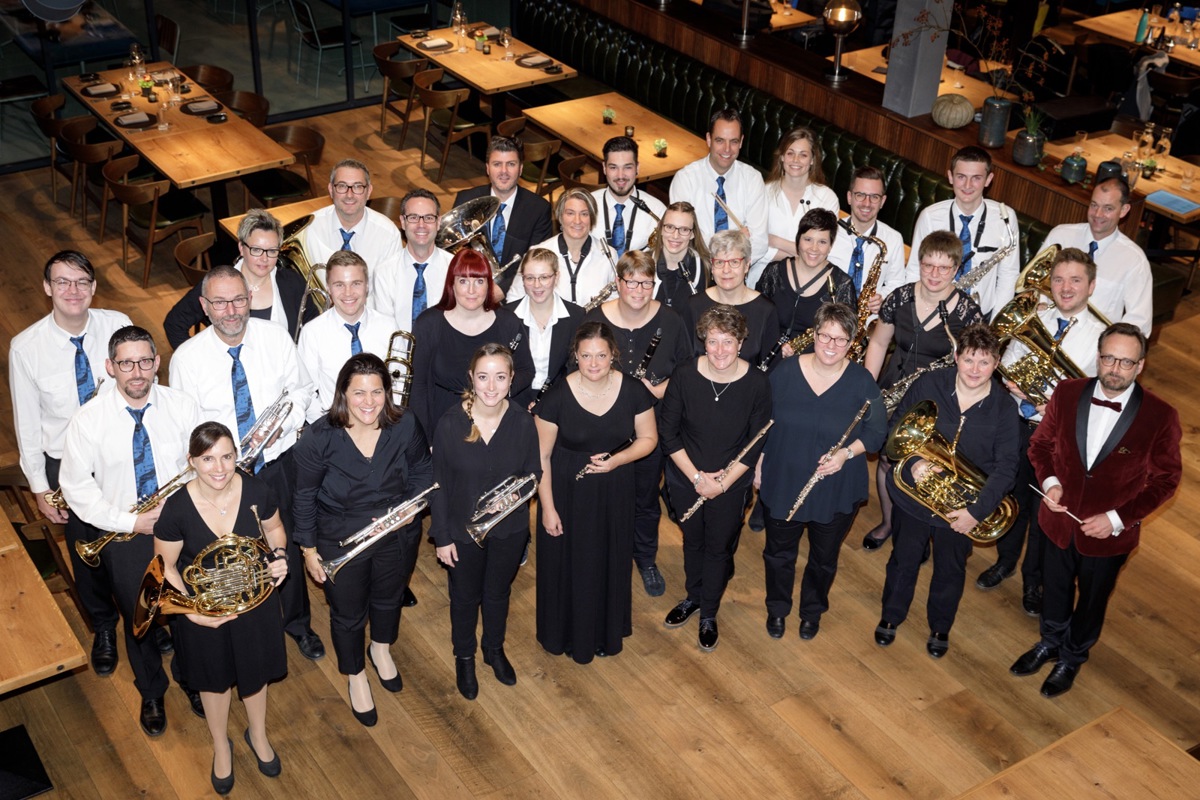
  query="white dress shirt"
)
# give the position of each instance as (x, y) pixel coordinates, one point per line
(1124, 286)
(539, 337)
(745, 194)
(376, 238)
(594, 273)
(1079, 345)
(637, 235)
(41, 377)
(325, 347)
(783, 220)
(999, 286)
(392, 295)
(98, 478)
(202, 368)
(891, 274)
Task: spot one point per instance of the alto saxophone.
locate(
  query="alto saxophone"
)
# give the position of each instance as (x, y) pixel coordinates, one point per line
(972, 278)
(858, 348)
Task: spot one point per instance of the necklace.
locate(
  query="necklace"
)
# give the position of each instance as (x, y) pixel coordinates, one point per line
(604, 391)
(221, 511)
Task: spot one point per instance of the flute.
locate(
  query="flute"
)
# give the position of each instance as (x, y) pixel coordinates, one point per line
(816, 476)
(728, 212)
(741, 454)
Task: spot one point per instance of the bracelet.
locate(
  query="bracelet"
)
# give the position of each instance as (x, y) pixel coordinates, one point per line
(721, 483)
(696, 479)
(849, 454)
(308, 551)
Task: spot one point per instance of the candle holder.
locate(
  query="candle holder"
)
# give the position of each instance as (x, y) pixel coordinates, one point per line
(841, 19)
(629, 131)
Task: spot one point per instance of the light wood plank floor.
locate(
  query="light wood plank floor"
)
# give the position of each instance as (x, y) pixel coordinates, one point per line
(834, 717)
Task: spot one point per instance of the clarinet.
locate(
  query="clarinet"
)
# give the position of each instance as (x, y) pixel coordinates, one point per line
(512, 346)
(579, 475)
(640, 372)
(765, 361)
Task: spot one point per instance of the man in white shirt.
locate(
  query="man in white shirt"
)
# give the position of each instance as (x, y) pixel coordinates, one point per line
(739, 185)
(401, 294)
(985, 227)
(235, 369)
(626, 226)
(121, 448)
(853, 253)
(55, 366)
(345, 330)
(1124, 285)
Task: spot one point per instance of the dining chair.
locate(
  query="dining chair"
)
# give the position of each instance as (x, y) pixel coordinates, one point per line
(251, 106)
(399, 91)
(321, 39)
(570, 172)
(211, 78)
(443, 110)
(89, 158)
(45, 111)
(390, 207)
(538, 156)
(1168, 93)
(55, 537)
(167, 31)
(414, 14)
(274, 186)
(191, 255)
(151, 206)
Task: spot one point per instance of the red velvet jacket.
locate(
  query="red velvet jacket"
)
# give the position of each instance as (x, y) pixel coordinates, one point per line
(1138, 468)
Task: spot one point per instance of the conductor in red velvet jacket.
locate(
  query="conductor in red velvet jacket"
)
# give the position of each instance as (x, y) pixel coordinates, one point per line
(1107, 455)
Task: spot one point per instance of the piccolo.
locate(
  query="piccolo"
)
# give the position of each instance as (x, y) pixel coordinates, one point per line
(728, 212)
(579, 475)
(741, 454)
(817, 476)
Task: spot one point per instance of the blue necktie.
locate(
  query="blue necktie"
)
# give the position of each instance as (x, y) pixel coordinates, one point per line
(1092, 250)
(856, 263)
(355, 344)
(1028, 409)
(498, 231)
(143, 456)
(83, 371)
(965, 236)
(618, 233)
(346, 238)
(243, 403)
(420, 297)
(720, 218)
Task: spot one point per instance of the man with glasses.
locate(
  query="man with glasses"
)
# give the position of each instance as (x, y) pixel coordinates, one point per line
(1106, 455)
(349, 224)
(55, 366)
(416, 283)
(235, 369)
(626, 227)
(853, 253)
(119, 449)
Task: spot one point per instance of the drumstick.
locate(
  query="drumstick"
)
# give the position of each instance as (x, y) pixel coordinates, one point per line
(732, 217)
(1068, 513)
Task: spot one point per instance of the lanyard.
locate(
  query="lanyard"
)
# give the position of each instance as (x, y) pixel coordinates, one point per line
(628, 221)
(566, 256)
(800, 292)
(954, 226)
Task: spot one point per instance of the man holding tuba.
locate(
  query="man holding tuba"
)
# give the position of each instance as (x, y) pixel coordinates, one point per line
(119, 450)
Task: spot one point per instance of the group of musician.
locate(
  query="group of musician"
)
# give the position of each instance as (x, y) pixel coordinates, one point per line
(740, 341)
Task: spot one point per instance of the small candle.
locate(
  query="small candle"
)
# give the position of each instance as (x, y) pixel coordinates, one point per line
(629, 131)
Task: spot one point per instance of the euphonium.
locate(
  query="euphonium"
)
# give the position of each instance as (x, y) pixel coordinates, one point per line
(959, 482)
(1039, 370)
(266, 426)
(374, 532)
(291, 254)
(1036, 276)
(89, 552)
(399, 366)
(498, 502)
(467, 226)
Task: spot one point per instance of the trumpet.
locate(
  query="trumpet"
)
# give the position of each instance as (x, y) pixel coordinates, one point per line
(498, 502)
(266, 428)
(399, 365)
(373, 533)
(89, 552)
(579, 475)
(291, 253)
(838, 445)
(725, 470)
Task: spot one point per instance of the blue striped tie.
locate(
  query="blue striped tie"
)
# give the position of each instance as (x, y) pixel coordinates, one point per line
(143, 456)
(84, 382)
(618, 233)
(499, 230)
(243, 403)
(856, 263)
(355, 344)
(720, 218)
(346, 238)
(965, 237)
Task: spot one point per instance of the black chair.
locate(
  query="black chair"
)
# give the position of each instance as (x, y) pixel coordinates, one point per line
(320, 39)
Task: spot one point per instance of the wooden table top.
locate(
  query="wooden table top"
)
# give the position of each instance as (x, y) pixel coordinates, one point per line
(38, 641)
(954, 81)
(488, 74)
(192, 151)
(1116, 755)
(285, 213)
(579, 124)
(1122, 25)
(784, 17)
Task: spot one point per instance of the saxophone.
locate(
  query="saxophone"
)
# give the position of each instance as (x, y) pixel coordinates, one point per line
(895, 393)
(858, 347)
(972, 278)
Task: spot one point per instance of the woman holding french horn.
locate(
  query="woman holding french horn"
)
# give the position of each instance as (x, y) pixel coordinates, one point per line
(362, 468)
(244, 650)
(486, 461)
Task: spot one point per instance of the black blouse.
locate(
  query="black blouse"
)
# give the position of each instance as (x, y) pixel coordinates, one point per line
(673, 349)
(916, 347)
(674, 289)
(796, 311)
(761, 320)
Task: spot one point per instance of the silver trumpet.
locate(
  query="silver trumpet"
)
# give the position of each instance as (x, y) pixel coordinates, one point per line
(266, 427)
(498, 502)
(374, 532)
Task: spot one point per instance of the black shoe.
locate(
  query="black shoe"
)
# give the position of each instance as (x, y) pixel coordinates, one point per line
(525, 554)
(758, 517)
(652, 581)
(270, 768)
(393, 685)
(494, 657)
(195, 702)
(408, 599)
(1060, 680)
(775, 626)
(927, 552)
(1033, 660)
(464, 676)
(223, 786)
(938, 644)
(707, 638)
(104, 652)
(365, 718)
(885, 633)
(154, 716)
(808, 630)
(993, 576)
(869, 542)
(162, 640)
(311, 646)
(1031, 601)
(601, 652)
(681, 613)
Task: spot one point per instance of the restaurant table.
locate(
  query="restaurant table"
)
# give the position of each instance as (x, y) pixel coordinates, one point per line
(1122, 25)
(94, 35)
(285, 213)
(579, 124)
(783, 16)
(870, 60)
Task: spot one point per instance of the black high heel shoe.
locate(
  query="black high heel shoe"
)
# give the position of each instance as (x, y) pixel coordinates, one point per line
(393, 685)
(270, 768)
(223, 786)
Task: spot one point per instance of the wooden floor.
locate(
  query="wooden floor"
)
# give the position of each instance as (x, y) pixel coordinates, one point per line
(834, 717)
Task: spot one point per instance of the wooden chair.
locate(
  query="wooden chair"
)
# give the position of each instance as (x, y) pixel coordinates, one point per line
(191, 255)
(88, 158)
(442, 109)
(253, 107)
(167, 31)
(321, 39)
(45, 113)
(274, 186)
(1168, 92)
(570, 172)
(388, 206)
(212, 79)
(399, 91)
(55, 536)
(151, 206)
(539, 153)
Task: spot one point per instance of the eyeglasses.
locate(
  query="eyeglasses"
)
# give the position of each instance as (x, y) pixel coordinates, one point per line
(860, 196)
(413, 219)
(728, 262)
(537, 280)
(240, 301)
(259, 252)
(141, 363)
(940, 269)
(637, 284)
(62, 284)
(680, 229)
(838, 341)
(356, 188)
(1126, 363)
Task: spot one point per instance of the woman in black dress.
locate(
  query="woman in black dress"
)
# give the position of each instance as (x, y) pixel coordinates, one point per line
(920, 317)
(364, 457)
(817, 396)
(479, 443)
(549, 321)
(591, 427)
(701, 435)
(217, 653)
(680, 259)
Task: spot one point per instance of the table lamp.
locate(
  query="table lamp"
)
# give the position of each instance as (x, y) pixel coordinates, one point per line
(841, 18)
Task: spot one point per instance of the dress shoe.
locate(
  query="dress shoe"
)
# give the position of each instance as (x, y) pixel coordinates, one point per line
(393, 685)
(464, 676)
(195, 702)
(1033, 660)
(707, 638)
(808, 630)
(1060, 680)
(223, 786)
(104, 652)
(154, 716)
(775, 626)
(525, 554)
(601, 652)
(365, 718)
(311, 646)
(162, 640)
(494, 657)
(870, 542)
(408, 599)
(681, 613)
(993, 576)
(652, 581)
(1031, 601)
(270, 768)
(885, 633)
(938, 644)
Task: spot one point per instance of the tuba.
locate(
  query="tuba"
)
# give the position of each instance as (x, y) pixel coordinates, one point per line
(399, 366)
(291, 254)
(1036, 276)
(466, 226)
(498, 502)
(1036, 372)
(89, 552)
(374, 532)
(959, 482)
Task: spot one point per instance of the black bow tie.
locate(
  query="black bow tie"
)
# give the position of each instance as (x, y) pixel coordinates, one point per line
(1107, 404)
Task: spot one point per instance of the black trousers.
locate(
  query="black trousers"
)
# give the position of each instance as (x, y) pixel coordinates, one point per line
(1076, 599)
(950, 553)
(779, 561)
(481, 581)
(125, 563)
(93, 583)
(293, 592)
(647, 474)
(709, 540)
(1008, 547)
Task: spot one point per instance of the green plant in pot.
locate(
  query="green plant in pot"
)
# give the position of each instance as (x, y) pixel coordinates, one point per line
(1027, 147)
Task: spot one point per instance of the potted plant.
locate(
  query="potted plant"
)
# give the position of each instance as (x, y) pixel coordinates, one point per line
(660, 148)
(146, 85)
(1027, 148)
(608, 115)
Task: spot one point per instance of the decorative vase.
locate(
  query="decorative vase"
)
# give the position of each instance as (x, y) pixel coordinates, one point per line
(1074, 167)
(1027, 149)
(993, 125)
(661, 153)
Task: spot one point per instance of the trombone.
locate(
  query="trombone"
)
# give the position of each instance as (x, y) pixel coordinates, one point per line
(399, 366)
